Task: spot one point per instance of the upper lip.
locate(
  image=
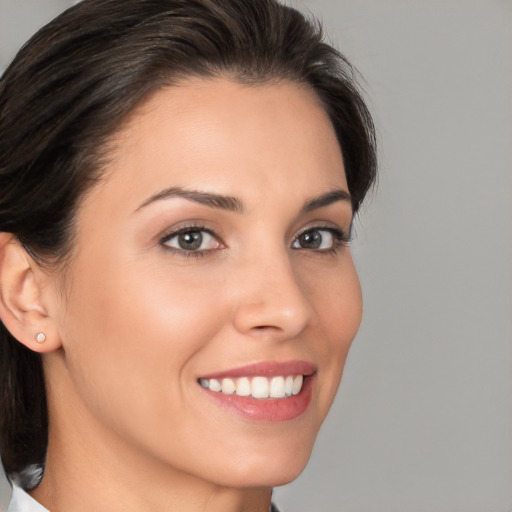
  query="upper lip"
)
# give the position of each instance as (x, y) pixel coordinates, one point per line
(266, 369)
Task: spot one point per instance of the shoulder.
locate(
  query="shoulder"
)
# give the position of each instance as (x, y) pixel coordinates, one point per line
(23, 502)
(14, 499)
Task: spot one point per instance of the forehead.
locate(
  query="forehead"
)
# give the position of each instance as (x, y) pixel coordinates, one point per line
(229, 137)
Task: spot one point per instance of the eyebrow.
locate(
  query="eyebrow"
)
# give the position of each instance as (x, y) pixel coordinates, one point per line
(326, 199)
(234, 204)
(221, 202)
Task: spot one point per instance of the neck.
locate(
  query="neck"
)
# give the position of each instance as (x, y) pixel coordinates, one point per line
(106, 482)
(89, 467)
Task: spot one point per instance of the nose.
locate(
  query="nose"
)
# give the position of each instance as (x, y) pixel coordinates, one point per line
(272, 302)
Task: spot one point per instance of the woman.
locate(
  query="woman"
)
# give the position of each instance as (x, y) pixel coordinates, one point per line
(179, 180)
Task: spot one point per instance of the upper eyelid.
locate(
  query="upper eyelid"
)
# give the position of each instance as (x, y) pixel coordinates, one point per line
(346, 236)
(326, 226)
(186, 229)
(175, 231)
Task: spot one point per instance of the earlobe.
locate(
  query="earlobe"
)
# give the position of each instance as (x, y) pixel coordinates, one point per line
(21, 309)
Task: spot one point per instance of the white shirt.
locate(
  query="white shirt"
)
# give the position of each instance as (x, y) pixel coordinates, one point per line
(23, 502)
(14, 499)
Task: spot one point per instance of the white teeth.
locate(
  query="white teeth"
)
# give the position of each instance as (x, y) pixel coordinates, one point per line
(288, 385)
(297, 384)
(243, 386)
(277, 387)
(228, 386)
(214, 385)
(260, 387)
(257, 387)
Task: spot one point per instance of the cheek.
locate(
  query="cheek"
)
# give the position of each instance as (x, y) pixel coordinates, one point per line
(343, 312)
(133, 336)
(337, 301)
(335, 295)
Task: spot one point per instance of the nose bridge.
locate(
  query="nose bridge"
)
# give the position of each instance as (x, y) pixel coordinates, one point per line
(272, 299)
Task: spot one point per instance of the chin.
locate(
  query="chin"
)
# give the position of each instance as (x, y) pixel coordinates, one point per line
(284, 476)
(268, 476)
(271, 470)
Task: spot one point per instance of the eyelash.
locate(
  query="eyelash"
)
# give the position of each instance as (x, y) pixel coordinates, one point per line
(340, 239)
(193, 228)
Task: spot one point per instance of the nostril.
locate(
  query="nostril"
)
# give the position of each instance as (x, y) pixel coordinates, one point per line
(263, 328)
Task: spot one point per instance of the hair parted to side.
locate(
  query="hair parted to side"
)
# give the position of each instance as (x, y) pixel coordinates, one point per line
(71, 86)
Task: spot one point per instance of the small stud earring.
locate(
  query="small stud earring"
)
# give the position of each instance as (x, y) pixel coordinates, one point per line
(40, 337)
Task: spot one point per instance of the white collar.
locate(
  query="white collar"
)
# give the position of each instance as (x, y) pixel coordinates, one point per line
(14, 499)
(23, 502)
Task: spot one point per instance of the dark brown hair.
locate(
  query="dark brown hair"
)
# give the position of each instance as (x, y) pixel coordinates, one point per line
(71, 86)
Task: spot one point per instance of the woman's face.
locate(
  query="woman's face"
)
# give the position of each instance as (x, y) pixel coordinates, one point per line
(213, 255)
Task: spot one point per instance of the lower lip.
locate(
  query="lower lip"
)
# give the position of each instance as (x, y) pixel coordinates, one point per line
(267, 409)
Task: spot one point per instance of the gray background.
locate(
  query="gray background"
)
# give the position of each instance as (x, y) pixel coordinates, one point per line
(423, 422)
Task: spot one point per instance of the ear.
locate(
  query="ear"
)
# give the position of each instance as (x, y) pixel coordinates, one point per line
(21, 309)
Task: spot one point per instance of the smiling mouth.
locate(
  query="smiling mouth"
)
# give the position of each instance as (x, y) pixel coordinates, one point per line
(258, 387)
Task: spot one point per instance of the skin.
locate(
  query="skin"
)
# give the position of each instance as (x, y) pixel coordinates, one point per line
(136, 323)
